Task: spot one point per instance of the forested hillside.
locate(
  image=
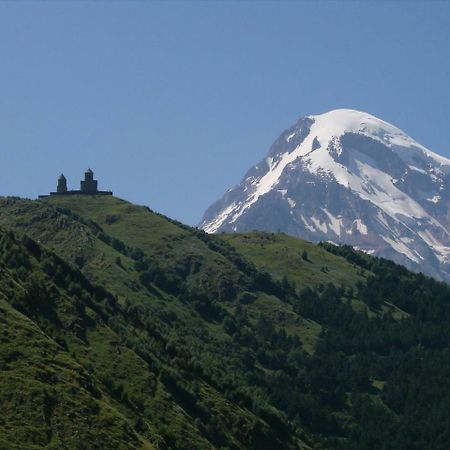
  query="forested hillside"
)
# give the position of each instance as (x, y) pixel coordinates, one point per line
(124, 329)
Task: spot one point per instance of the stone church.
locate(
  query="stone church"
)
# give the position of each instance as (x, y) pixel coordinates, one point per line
(88, 186)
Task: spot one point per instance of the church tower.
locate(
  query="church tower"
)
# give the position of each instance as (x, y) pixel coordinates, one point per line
(89, 185)
(62, 185)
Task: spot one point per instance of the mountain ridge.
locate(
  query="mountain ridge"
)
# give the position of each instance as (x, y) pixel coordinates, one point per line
(351, 178)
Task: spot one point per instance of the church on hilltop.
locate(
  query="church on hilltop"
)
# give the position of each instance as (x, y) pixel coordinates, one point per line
(88, 186)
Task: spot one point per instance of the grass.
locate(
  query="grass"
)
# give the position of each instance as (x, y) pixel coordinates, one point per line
(45, 395)
(281, 255)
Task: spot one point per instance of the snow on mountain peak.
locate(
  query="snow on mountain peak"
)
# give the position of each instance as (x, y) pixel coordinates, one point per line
(313, 150)
(337, 122)
(340, 121)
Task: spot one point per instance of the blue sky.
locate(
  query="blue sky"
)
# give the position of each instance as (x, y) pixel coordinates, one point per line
(171, 102)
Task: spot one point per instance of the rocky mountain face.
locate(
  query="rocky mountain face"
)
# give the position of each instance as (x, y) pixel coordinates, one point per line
(347, 177)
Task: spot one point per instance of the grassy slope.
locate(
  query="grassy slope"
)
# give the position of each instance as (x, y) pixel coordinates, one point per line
(139, 227)
(161, 239)
(48, 398)
(131, 351)
(173, 244)
(120, 373)
(281, 255)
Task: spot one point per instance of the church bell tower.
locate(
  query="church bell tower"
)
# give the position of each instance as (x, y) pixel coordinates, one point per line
(62, 185)
(88, 185)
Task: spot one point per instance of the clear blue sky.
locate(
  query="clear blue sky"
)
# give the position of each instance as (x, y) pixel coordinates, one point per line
(171, 102)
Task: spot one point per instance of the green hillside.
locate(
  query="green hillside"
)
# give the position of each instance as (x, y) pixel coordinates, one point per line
(124, 329)
(303, 263)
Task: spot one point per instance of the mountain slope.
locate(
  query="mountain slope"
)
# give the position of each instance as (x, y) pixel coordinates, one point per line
(348, 177)
(169, 290)
(49, 395)
(141, 332)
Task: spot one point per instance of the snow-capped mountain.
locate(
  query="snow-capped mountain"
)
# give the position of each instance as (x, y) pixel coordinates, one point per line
(348, 177)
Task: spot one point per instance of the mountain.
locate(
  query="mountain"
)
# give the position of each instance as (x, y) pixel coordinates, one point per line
(121, 328)
(347, 177)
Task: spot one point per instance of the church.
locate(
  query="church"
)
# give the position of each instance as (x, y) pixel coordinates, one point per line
(88, 186)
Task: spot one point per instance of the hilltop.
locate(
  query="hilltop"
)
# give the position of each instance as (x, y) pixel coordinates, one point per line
(125, 329)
